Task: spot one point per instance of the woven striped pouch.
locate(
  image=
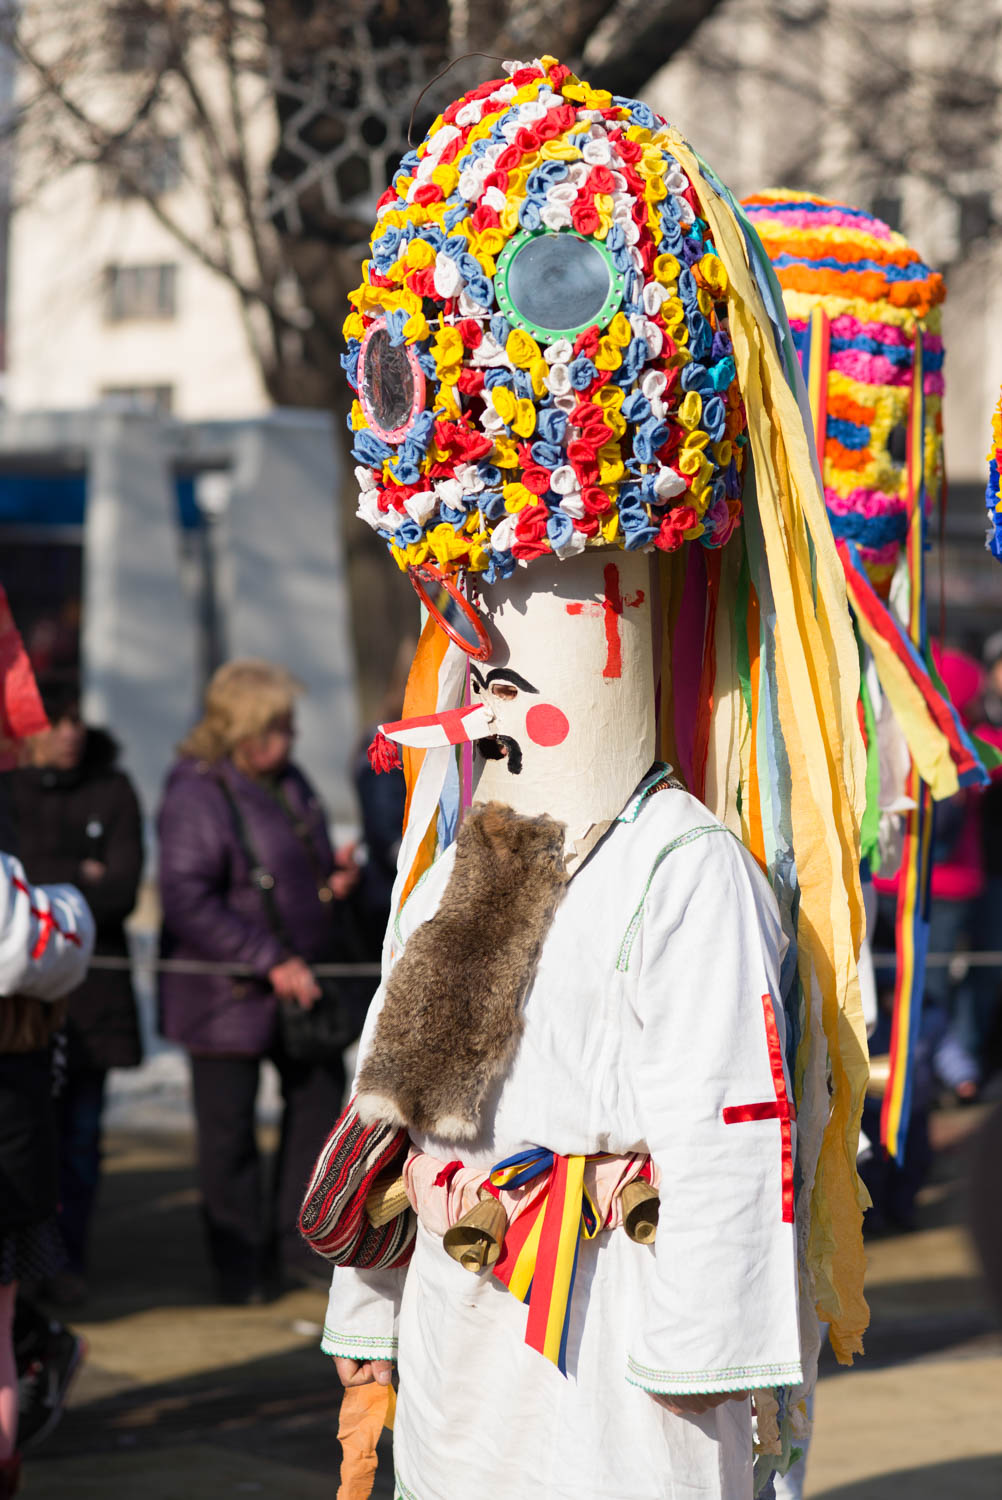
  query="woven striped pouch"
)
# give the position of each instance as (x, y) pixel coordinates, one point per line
(333, 1220)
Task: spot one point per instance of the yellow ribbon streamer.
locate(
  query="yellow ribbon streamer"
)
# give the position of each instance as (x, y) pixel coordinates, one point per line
(817, 673)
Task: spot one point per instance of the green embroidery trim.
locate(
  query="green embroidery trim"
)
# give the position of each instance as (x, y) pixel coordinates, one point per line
(737, 1378)
(630, 936)
(351, 1345)
(654, 778)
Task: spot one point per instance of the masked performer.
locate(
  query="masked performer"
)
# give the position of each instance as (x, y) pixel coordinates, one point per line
(993, 489)
(866, 317)
(607, 997)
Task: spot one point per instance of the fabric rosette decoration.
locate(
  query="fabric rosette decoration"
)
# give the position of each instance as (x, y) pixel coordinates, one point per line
(879, 309)
(539, 345)
(865, 314)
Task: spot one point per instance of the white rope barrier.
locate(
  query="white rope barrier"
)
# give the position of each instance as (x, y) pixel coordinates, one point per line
(982, 960)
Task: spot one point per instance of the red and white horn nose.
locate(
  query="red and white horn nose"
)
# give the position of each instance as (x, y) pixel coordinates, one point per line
(453, 727)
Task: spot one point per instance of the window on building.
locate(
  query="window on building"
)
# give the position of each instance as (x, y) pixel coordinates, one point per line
(887, 206)
(137, 37)
(974, 217)
(148, 165)
(158, 399)
(139, 292)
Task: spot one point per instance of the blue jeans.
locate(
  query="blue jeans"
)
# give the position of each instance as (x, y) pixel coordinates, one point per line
(80, 1108)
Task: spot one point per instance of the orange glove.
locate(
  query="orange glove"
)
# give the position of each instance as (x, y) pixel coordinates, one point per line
(365, 1411)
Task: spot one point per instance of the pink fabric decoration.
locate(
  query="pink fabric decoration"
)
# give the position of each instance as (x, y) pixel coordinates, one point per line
(440, 1199)
(802, 218)
(860, 502)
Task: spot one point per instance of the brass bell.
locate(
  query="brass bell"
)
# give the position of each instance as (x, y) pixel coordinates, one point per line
(641, 1205)
(880, 1075)
(476, 1239)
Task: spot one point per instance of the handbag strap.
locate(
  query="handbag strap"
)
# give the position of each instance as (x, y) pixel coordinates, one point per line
(299, 832)
(261, 878)
(352, 951)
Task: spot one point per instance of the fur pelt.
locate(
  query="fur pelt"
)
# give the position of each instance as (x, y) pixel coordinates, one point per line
(451, 1016)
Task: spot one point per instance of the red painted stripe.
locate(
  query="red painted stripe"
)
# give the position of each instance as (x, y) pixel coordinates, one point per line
(613, 610)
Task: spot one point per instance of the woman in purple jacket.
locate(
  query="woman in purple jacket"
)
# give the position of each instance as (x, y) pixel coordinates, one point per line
(234, 793)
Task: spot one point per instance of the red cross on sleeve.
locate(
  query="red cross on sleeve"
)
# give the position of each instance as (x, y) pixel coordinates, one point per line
(780, 1108)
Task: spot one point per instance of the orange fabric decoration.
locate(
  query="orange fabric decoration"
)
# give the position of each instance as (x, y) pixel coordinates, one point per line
(872, 286)
(365, 1411)
(421, 698)
(846, 458)
(850, 410)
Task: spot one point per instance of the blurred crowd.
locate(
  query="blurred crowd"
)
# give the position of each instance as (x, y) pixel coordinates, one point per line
(959, 1054)
(254, 898)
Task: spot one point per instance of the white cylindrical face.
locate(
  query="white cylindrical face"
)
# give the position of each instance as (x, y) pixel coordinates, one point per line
(569, 688)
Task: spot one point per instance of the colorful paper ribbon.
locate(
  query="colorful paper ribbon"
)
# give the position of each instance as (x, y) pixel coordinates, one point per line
(539, 1261)
(937, 740)
(912, 921)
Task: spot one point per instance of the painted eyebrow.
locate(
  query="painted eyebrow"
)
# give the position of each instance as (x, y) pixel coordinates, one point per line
(509, 676)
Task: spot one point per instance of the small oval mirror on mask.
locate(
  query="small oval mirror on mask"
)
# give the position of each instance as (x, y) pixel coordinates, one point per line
(388, 383)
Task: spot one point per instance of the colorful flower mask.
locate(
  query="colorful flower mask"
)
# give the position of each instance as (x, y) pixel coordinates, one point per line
(993, 489)
(881, 304)
(539, 344)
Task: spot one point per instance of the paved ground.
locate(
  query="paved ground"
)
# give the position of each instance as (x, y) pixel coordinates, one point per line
(181, 1400)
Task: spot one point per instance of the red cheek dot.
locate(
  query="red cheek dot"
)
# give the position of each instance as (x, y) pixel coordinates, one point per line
(546, 725)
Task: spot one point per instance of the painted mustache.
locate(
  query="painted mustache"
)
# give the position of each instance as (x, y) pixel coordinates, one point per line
(501, 747)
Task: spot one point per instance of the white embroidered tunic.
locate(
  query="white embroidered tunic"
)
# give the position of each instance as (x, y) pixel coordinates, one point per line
(645, 1022)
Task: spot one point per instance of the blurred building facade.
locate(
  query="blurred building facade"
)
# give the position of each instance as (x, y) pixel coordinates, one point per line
(894, 106)
(158, 514)
(140, 552)
(107, 305)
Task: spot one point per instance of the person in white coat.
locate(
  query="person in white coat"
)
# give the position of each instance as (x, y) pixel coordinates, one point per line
(650, 1030)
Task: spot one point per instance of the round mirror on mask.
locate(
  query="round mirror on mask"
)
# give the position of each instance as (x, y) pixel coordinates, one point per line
(443, 598)
(390, 386)
(557, 284)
